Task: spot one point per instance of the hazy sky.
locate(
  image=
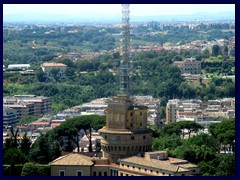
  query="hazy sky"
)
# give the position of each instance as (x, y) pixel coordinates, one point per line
(115, 9)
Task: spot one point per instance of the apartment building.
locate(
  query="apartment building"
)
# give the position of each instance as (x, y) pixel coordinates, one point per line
(23, 109)
(153, 105)
(28, 104)
(9, 116)
(171, 111)
(198, 111)
(189, 66)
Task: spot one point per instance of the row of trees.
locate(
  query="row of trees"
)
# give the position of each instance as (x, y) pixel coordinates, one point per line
(48, 146)
(202, 149)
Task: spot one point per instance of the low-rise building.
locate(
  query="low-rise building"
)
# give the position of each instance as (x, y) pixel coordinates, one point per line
(189, 66)
(47, 68)
(18, 66)
(153, 164)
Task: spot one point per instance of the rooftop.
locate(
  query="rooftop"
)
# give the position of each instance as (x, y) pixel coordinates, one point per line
(73, 159)
(153, 163)
(53, 65)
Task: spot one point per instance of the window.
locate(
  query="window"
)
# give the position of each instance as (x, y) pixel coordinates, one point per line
(133, 167)
(139, 168)
(121, 174)
(145, 169)
(140, 113)
(100, 174)
(157, 172)
(140, 123)
(79, 173)
(131, 114)
(61, 173)
(144, 137)
(163, 173)
(183, 174)
(105, 137)
(94, 173)
(151, 170)
(132, 137)
(105, 173)
(127, 165)
(126, 174)
(122, 164)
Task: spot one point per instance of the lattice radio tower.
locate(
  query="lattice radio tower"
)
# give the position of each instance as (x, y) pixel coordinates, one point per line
(124, 65)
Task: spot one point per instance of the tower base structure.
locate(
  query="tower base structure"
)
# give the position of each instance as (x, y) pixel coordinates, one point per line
(126, 133)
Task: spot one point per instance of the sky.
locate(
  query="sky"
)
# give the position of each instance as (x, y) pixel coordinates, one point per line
(115, 9)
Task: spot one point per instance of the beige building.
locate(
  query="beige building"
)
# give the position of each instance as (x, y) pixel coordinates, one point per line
(189, 66)
(153, 164)
(126, 133)
(47, 67)
(201, 112)
(171, 112)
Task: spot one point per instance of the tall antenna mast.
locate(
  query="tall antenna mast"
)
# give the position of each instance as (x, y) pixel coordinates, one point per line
(124, 66)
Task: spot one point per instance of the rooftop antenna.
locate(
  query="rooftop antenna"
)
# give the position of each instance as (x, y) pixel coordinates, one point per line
(124, 64)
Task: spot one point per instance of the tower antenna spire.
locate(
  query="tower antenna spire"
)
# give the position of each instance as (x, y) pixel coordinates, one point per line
(124, 65)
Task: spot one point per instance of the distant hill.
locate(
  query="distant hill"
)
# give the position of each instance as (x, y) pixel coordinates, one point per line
(89, 18)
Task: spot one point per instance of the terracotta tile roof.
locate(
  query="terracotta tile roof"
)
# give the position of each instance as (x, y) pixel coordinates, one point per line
(73, 159)
(153, 163)
(55, 124)
(52, 65)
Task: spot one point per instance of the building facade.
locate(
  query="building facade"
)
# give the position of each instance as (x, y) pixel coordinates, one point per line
(153, 164)
(189, 66)
(203, 113)
(48, 67)
(126, 133)
(153, 105)
(28, 104)
(9, 116)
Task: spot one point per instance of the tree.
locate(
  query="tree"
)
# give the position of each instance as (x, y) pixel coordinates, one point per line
(225, 50)
(72, 127)
(12, 142)
(55, 72)
(33, 169)
(166, 143)
(45, 148)
(227, 165)
(224, 132)
(216, 50)
(190, 126)
(25, 144)
(14, 156)
(205, 139)
(41, 76)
